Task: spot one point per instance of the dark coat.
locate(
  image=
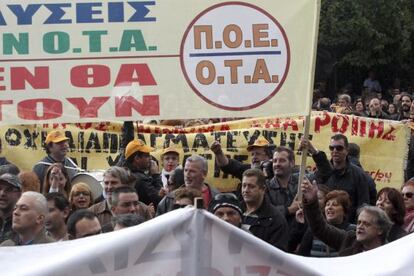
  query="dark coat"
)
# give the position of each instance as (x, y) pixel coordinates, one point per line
(147, 186)
(271, 226)
(396, 232)
(352, 180)
(235, 168)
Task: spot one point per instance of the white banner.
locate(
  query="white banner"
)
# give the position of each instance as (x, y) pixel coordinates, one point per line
(193, 242)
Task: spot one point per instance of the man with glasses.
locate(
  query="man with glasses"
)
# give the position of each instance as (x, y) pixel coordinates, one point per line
(10, 191)
(340, 174)
(83, 223)
(408, 195)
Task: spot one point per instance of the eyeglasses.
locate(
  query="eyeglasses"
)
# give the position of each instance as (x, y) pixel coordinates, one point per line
(81, 193)
(338, 148)
(408, 194)
(225, 196)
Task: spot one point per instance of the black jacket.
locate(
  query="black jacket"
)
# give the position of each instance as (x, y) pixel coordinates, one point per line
(352, 179)
(147, 187)
(271, 226)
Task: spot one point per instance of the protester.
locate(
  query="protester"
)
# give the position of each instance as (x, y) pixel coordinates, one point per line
(260, 217)
(59, 210)
(195, 173)
(83, 223)
(227, 207)
(148, 180)
(260, 151)
(10, 191)
(404, 112)
(170, 159)
(29, 221)
(375, 110)
(408, 195)
(340, 174)
(373, 225)
(391, 201)
(393, 111)
(80, 196)
(282, 188)
(113, 178)
(336, 209)
(56, 146)
(56, 180)
(125, 201)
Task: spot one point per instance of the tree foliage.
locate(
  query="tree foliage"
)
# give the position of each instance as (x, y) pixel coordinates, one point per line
(367, 34)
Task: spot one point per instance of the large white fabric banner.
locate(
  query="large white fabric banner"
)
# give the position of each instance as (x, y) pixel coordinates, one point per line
(194, 243)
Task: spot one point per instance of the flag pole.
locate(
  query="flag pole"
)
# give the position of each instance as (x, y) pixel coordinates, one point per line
(308, 117)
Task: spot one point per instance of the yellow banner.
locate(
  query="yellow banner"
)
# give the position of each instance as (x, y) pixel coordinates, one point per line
(384, 144)
(76, 61)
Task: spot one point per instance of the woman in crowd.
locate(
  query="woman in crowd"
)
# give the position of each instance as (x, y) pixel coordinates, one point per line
(393, 111)
(359, 107)
(56, 180)
(391, 201)
(80, 196)
(408, 193)
(336, 210)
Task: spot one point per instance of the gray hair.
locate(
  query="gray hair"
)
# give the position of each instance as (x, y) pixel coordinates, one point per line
(120, 173)
(199, 159)
(127, 220)
(345, 97)
(381, 219)
(40, 201)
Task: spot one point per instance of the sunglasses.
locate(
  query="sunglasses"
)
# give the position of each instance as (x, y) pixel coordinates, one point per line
(408, 195)
(337, 148)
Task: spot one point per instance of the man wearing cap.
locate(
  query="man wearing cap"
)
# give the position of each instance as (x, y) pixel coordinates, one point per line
(29, 220)
(260, 151)
(148, 180)
(56, 146)
(170, 159)
(10, 191)
(226, 207)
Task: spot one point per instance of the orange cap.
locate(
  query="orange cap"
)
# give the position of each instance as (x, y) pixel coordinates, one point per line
(170, 149)
(260, 142)
(56, 136)
(135, 146)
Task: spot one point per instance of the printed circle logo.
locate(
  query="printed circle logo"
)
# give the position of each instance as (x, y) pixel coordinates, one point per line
(235, 56)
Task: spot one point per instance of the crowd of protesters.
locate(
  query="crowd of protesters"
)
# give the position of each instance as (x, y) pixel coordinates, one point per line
(339, 213)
